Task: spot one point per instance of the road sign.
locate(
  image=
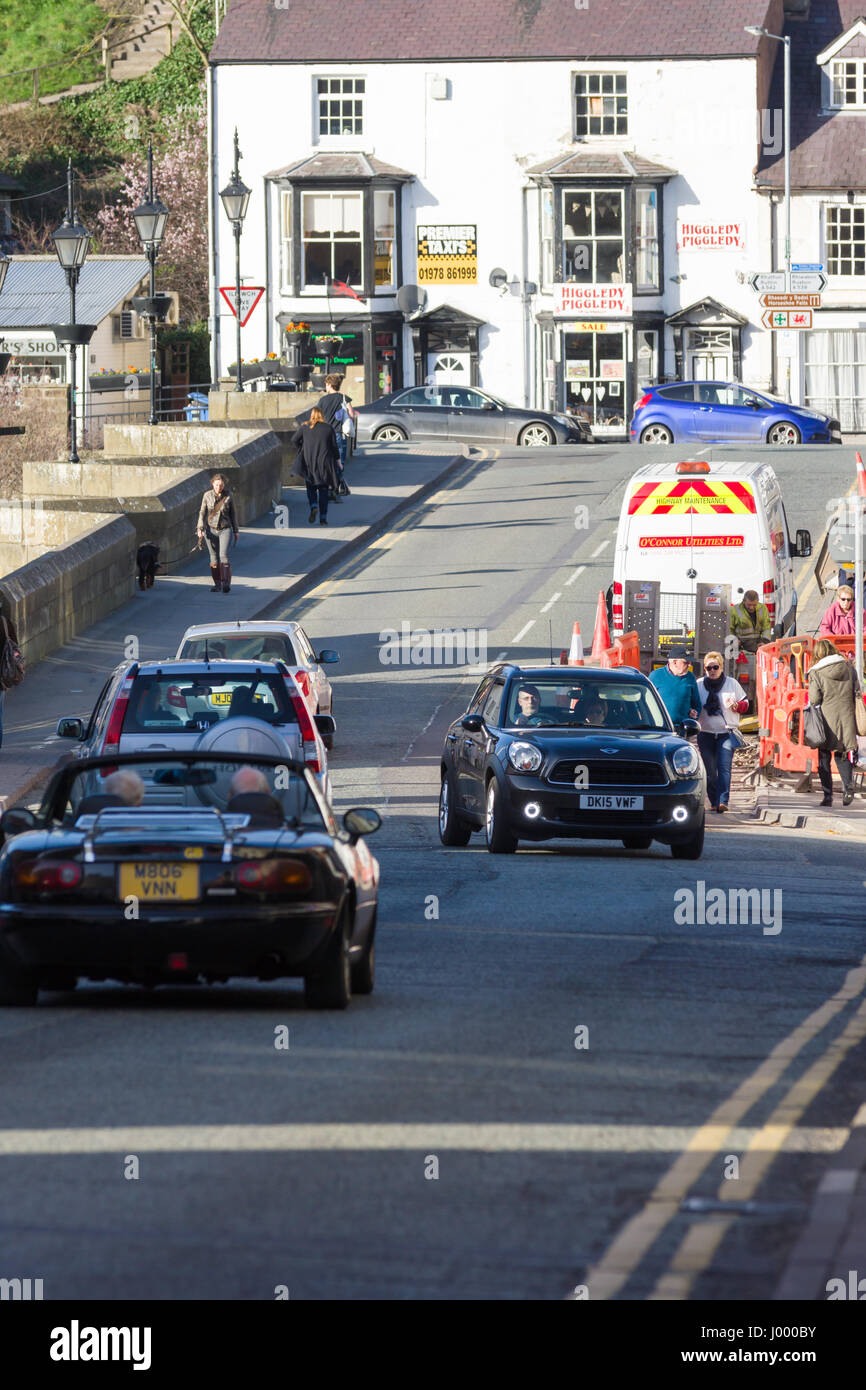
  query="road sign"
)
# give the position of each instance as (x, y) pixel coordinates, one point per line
(787, 318)
(810, 265)
(790, 301)
(768, 281)
(250, 296)
(811, 282)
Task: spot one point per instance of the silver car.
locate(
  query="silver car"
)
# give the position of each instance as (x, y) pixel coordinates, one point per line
(253, 641)
(465, 415)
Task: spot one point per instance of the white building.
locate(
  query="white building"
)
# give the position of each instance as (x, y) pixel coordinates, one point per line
(581, 226)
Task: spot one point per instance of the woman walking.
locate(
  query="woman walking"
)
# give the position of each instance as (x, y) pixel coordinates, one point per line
(318, 463)
(723, 700)
(833, 685)
(217, 523)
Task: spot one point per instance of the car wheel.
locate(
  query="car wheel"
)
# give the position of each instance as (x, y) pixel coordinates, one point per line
(637, 841)
(18, 988)
(389, 434)
(536, 436)
(331, 986)
(656, 434)
(690, 849)
(452, 830)
(499, 837)
(784, 433)
(364, 968)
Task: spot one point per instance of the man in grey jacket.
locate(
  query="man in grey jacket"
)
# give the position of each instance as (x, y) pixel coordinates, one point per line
(217, 523)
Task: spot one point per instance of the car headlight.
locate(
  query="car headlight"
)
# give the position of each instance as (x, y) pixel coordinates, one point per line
(525, 757)
(686, 761)
(565, 420)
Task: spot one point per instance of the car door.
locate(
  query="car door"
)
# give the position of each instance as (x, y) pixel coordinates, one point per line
(707, 411)
(739, 414)
(90, 743)
(320, 686)
(421, 413)
(474, 418)
(476, 745)
(465, 753)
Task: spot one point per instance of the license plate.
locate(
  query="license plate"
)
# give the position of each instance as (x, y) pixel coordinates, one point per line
(595, 802)
(159, 882)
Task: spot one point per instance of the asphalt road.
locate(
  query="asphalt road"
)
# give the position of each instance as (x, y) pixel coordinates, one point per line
(454, 1136)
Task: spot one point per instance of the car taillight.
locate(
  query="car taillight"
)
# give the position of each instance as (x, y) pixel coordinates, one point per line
(174, 697)
(306, 726)
(616, 606)
(48, 875)
(111, 742)
(770, 598)
(303, 679)
(644, 400)
(274, 876)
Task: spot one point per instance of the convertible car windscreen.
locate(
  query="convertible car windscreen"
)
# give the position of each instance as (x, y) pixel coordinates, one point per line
(171, 704)
(573, 703)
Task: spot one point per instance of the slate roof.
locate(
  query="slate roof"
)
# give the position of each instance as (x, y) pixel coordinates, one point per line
(36, 294)
(339, 166)
(826, 151)
(600, 164)
(346, 31)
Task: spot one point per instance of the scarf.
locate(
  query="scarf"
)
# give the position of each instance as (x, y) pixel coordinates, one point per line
(712, 687)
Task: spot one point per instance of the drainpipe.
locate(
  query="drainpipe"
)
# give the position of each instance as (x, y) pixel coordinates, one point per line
(213, 184)
(268, 280)
(526, 326)
(773, 239)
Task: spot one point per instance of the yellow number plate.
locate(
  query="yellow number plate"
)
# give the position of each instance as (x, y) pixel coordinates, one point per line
(159, 882)
(221, 697)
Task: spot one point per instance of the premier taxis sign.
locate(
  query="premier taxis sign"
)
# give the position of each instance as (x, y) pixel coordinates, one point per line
(697, 497)
(447, 255)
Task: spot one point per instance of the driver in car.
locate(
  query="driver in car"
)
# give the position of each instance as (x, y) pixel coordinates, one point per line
(529, 700)
(594, 713)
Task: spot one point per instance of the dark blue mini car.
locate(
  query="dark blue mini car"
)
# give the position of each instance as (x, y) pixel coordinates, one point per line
(724, 412)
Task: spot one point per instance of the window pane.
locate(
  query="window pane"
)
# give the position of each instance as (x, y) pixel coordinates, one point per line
(317, 214)
(577, 214)
(608, 214)
(609, 262)
(347, 214)
(347, 262)
(317, 262)
(383, 212)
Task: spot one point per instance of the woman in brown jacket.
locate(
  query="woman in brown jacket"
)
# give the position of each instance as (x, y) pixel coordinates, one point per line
(217, 523)
(833, 685)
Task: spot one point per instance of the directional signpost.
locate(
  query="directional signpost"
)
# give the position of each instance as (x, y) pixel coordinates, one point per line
(768, 281)
(790, 301)
(786, 318)
(808, 282)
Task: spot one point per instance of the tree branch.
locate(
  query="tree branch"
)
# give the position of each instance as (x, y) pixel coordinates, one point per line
(178, 8)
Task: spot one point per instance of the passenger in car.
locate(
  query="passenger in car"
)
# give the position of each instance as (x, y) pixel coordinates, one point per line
(127, 785)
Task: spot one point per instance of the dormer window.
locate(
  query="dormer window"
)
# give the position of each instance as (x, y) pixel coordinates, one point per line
(842, 65)
(848, 83)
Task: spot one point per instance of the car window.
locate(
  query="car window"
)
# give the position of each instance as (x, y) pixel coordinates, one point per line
(677, 393)
(480, 695)
(573, 703)
(98, 708)
(305, 649)
(419, 395)
(493, 704)
(459, 398)
(181, 704)
(238, 647)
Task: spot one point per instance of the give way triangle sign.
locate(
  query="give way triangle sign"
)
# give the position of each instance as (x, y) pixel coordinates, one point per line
(250, 296)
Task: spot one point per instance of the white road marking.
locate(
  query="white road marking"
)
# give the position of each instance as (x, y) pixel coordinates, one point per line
(600, 548)
(552, 601)
(522, 633)
(576, 574)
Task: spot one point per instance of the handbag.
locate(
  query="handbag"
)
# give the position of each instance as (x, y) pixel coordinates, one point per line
(815, 731)
(11, 662)
(737, 738)
(860, 714)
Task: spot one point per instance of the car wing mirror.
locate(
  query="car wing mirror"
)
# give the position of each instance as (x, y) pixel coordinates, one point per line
(16, 820)
(327, 657)
(688, 727)
(70, 727)
(472, 723)
(326, 724)
(361, 820)
(487, 405)
(803, 546)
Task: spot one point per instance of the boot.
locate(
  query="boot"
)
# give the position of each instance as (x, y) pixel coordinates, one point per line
(227, 577)
(215, 579)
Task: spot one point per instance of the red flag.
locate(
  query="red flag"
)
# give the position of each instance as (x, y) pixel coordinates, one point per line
(339, 287)
(861, 475)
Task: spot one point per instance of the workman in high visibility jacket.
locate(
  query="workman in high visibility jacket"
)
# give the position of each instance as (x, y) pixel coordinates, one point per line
(750, 622)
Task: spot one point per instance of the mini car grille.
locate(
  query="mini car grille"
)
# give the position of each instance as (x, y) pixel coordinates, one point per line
(570, 816)
(610, 774)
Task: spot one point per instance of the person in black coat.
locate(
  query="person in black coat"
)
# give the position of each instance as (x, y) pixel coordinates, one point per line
(318, 463)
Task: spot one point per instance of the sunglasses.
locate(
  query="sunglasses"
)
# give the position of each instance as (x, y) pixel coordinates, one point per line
(712, 668)
(846, 600)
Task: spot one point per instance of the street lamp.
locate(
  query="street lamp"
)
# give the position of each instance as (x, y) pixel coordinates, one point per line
(5, 262)
(71, 242)
(785, 39)
(235, 199)
(150, 218)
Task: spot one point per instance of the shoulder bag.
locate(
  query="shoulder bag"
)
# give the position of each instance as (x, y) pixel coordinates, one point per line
(11, 662)
(216, 512)
(815, 731)
(860, 714)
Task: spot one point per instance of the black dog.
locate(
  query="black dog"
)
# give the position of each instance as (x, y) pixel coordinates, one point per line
(147, 560)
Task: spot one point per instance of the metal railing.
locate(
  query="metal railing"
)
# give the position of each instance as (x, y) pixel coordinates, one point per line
(101, 41)
(173, 406)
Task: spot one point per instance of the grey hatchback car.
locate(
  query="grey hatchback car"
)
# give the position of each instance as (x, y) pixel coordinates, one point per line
(466, 415)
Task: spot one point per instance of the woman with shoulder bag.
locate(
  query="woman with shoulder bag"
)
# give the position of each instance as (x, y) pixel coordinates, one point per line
(833, 685)
(723, 700)
(317, 463)
(11, 663)
(217, 523)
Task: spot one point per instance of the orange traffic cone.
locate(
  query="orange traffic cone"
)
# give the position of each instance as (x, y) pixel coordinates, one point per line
(601, 632)
(575, 654)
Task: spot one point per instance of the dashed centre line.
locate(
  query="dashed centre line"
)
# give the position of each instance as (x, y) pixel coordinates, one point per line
(552, 601)
(600, 548)
(577, 573)
(523, 631)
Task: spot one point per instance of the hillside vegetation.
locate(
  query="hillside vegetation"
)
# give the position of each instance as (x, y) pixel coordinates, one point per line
(33, 32)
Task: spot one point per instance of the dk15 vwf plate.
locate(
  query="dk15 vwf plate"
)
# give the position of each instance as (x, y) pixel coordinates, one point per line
(599, 802)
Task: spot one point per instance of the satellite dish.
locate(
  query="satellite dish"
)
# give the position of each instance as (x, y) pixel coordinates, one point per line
(411, 299)
(498, 277)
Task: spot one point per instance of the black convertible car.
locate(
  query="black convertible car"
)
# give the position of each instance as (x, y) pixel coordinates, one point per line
(242, 872)
(580, 752)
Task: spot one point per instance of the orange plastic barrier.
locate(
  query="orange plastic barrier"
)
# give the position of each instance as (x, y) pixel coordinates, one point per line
(782, 679)
(625, 651)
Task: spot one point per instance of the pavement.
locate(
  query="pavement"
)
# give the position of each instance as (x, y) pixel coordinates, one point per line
(279, 555)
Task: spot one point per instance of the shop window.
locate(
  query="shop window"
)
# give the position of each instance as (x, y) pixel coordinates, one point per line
(384, 214)
(646, 239)
(647, 345)
(286, 243)
(340, 102)
(845, 240)
(333, 242)
(387, 366)
(836, 375)
(594, 371)
(593, 237)
(600, 104)
(547, 237)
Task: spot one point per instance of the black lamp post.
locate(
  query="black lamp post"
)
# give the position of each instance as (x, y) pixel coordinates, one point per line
(71, 242)
(5, 263)
(150, 218)
(235, 199)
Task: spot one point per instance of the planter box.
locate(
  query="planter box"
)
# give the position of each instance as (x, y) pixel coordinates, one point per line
(297, 339)
(121, 381)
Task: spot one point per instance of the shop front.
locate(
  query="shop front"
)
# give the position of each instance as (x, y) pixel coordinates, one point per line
(36, 357)
(597, 368)
(366, 351)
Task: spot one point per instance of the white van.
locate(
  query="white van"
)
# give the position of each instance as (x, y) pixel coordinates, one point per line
(708, 531)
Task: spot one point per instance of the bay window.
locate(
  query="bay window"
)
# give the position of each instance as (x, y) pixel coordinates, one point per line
(593, 236)
(333, 240)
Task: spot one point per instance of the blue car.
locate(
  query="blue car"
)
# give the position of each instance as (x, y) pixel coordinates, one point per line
(724, 412)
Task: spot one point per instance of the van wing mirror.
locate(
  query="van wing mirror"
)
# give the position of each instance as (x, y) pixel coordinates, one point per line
(803, 546)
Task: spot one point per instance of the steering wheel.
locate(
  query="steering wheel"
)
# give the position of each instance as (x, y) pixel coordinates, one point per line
(540, 721)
